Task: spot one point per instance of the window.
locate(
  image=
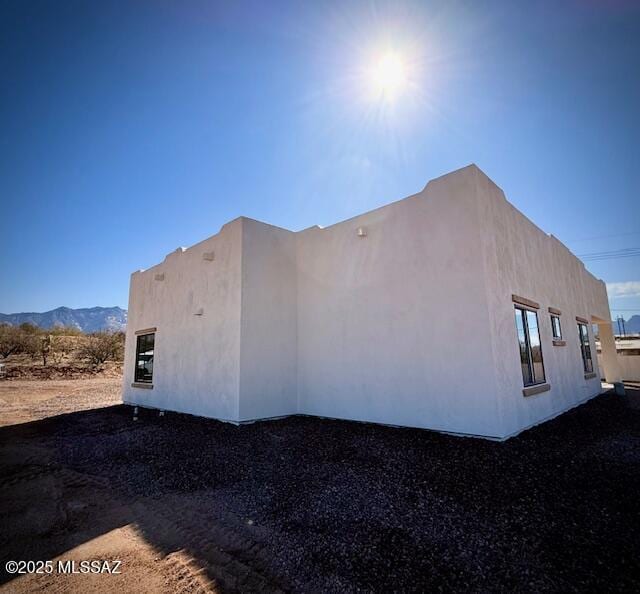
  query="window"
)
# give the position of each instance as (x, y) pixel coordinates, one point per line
(530, 347)
(556, 328)
(585, 347)
(144, 358)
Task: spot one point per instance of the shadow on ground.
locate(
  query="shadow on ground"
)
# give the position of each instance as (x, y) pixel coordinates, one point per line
(311, 504)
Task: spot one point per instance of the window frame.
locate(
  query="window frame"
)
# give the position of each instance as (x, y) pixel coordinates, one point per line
(139, 375)
(523, 310)
(558, 336)
(585, 347)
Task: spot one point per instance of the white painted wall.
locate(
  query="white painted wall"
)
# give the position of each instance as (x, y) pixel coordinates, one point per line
(394, 327)
(412, 324)
(268, 386)
(521, 259)
(196, 358)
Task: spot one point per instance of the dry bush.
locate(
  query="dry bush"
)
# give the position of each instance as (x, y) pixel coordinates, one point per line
(31, 345)
(10, 340)
(23, 339)
(58, 350)
(33, 342)
(100, 347)
(64, 346)
(30, 329)
(65, 331)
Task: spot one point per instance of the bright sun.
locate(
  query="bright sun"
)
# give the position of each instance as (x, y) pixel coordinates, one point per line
(389, 76)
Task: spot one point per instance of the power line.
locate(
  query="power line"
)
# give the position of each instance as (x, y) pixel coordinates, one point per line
(611, 257)
(603, 237)
(612, 251)
(611, 254)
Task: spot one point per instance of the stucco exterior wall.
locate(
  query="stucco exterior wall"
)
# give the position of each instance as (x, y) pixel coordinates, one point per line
(393, 327)
(196, 357)
(402, 315)
(268, 381)
(521, 259)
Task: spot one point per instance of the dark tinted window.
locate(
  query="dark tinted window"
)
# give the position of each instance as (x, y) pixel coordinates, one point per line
(524, 348)
(144, 358)
(555, 326)
(530, 347)
(585, 348)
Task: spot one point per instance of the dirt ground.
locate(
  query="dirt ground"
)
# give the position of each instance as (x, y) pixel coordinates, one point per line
(31, 400)
(76, 514)
(304, 504)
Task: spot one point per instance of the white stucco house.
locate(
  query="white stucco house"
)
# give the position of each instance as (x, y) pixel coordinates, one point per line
(447, 310)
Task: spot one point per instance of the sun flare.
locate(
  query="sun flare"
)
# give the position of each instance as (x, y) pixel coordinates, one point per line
(389, 76)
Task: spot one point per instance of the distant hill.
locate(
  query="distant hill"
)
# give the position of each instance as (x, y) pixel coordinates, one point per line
(93, 319)
(631, 326)
(89, 319)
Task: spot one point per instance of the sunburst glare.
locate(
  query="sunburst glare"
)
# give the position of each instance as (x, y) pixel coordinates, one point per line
(388, 76)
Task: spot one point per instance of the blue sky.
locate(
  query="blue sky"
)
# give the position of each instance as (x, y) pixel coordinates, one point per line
(132, 128)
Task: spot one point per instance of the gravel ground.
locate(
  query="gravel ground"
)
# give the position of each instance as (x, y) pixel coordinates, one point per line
(309, 504)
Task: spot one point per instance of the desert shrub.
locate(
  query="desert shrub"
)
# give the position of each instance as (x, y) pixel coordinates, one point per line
(100, 347)
(65, 331)
(30, 340)
(10, 340)
(55, 344)
(118, 354)
(29, 329)
(63, 345)
(31, 345)
(23, 339)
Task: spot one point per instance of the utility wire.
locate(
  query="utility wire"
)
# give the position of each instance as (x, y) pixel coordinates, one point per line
(610, 255)
(603, 237)
(611, 258)
(609, 252)
(612, 251)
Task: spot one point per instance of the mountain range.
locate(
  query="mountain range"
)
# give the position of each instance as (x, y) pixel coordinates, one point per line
(91, 319)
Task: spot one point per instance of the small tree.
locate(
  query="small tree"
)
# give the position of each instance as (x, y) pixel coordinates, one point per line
(30, 344)
(10, 340)
(100, 347)
(29, 328)
(61, 346)
(65, 331)
(118, 351)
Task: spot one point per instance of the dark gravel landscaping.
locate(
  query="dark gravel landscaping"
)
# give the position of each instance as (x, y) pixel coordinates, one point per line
(322, 505)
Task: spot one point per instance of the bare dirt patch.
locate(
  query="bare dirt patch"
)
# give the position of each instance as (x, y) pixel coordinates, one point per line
(49, 512)
(29, 400)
